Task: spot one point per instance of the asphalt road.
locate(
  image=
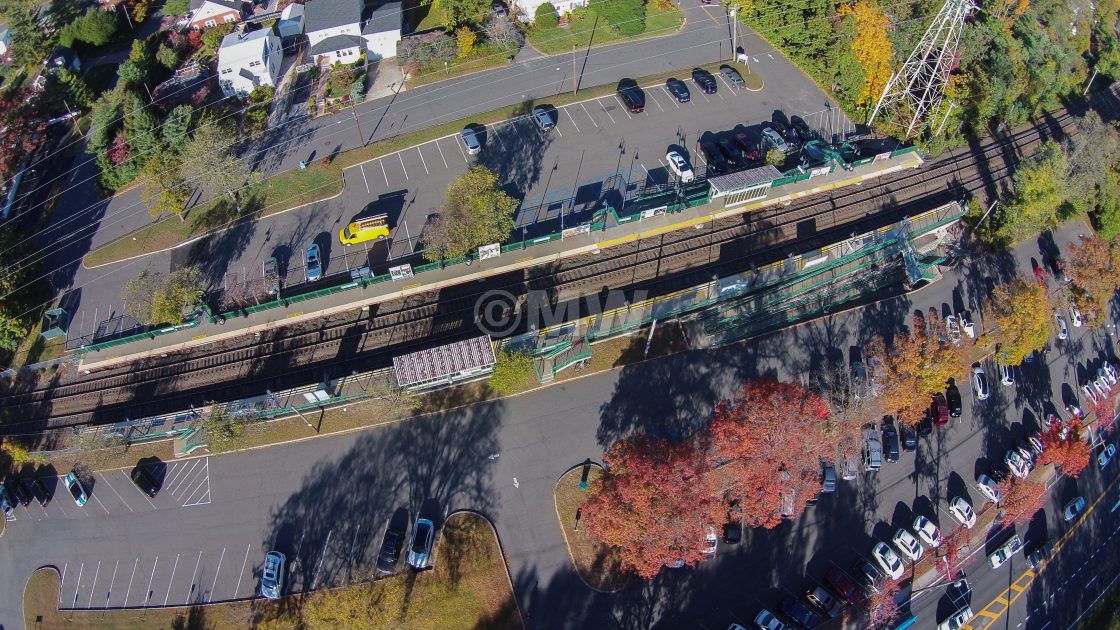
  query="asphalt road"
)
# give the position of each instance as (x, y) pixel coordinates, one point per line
(325, 502)
(594, 140)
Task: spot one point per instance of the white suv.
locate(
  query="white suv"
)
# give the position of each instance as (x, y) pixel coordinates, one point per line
(962, 511)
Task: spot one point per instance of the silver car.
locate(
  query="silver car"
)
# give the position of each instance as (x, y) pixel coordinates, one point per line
(420, 549)
(314, 263)
(774, 139)
(272, 575)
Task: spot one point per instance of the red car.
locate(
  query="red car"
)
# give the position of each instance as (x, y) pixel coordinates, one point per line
(939, 410)
(842, 584)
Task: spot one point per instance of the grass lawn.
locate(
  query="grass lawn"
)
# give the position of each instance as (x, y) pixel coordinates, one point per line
(481, 58)
(598, 565)
(424, 18)
(467, 588)
(584, 30)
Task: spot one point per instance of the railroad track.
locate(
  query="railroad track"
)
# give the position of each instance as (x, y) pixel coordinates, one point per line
(286, 357)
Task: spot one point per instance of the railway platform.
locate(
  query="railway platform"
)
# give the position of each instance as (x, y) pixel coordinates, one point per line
(573, 242)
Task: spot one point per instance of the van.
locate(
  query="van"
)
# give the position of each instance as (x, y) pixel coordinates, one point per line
(363, 230)
(1005, 551)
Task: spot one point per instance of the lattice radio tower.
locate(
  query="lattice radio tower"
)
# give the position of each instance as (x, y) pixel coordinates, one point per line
(918, 87)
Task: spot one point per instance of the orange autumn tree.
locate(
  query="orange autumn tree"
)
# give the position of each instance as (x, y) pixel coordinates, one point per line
(915, 365)
(1021, 499)
(773, 436)
(1094, 264)
(871, 47)
(1065, 448)
(652, 502)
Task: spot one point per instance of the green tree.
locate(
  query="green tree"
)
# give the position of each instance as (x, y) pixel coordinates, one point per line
(212, 37)
(104, 121)
(209, 163)
(222, 432)
(461, 12)
(1021, 313)
(180, 294)
(177, 127)
(30, 43)
(628, 17)
(141, 126)
(64, 12)
(177, 7)
(12, 331)
(512, 373)
(476, 212)
(167, 56)
(1035, 204)
(546, 16)
(95, 27)
(164, 188)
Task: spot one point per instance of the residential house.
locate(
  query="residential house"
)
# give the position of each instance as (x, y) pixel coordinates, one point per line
(291, 21)
(5, 42)
(527, 9)
(338, 30)
(249, 60)
(210, 13)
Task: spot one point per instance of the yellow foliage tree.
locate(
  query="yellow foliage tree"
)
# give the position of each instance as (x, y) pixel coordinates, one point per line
(1021, 312)
(914, 366)
(465, 38)
(871, 47)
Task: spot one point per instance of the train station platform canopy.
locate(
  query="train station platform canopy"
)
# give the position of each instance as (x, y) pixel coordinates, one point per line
(445, 365)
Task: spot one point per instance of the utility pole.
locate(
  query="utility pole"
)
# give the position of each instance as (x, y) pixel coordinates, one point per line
(127, 16)
(354, 112)
(1090, 83)
(575, 79)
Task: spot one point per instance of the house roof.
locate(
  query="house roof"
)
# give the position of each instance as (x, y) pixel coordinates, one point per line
(336, 43)
(234, 5)
(386, 17)
(292, 12)
(236, 46)
(323, 14)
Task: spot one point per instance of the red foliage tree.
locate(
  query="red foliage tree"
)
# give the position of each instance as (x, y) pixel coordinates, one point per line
(773, 436)
(882, 608)
(195, 39)
(119, 151)
(22, 127)
(1105, 411)
(956, 550)
(1063, 447)
(199, 97)
(1021, 499)
(653, 503)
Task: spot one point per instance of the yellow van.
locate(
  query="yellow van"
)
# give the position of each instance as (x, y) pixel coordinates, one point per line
(365, 230)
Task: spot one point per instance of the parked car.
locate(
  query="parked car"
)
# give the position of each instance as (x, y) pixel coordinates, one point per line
(272, 575)
(956, 620)
(962, 511)
(953, 397)
(420, 549)
(766, 620)
(1063, 330)
(749, 149)
(469, 134)
(390, 551)
(979, 383)
(890, 439)
(714, 157)
(927, 531)
(800, 613)
(1006, 375)
(730, 152)
(680, 167)
(734, 79)
(997, 473)
(711, 541)
(1004, 552)
(678, 89)
(908, 544)
(988, 488)
(869, 575)
(872, 452)
(77, 490)
(939, 410)
(38, 489)
(6, 503)
(798, 125)
(543, 115)
(1035, 442)
(1109, 372)
(1016, 464)
(18, 492)
(1073, 509)
(1106, 455)
(888, 560)
(824, 601)
(144, 480)
(842, 585)
(909, 438)
(828, 478)
(313, 263)
(632, 97)
(704, 80)
(774, 139)
(1075, 316)
(1090, 393)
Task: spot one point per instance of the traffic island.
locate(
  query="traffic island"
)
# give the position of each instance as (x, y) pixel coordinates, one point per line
(599, 566)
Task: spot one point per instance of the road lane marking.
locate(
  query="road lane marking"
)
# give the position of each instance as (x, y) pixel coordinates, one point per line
(78, 585)
(436, 142)
(193, 574)
(572, 119)
(383, 173)
(582, 106)
(363, 169)
(106, 479)
(172, 580)
(129, 591)
(613, 122)
(216, 571)
(148, 594)
(93, 587)
(402, 165)
(139, 491)
(422, 160)
(112, 583)
(242, 573)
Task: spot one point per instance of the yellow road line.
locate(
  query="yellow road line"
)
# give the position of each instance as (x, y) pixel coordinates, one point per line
(705, 9)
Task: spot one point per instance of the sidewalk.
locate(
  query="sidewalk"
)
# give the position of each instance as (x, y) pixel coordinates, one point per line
(590, 242)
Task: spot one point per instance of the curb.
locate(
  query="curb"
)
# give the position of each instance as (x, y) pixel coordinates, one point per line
(505, 562)
(564, 531)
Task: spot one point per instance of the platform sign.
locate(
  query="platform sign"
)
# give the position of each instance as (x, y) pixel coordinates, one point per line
(401, 272)
(576, 231)
(492, 250)
(653, 212)
(821, 170)
(883, 156)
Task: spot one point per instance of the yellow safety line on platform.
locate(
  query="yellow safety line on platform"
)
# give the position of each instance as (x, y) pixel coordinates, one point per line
(295, 314)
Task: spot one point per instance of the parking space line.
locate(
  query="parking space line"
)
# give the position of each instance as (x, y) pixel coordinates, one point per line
(186, 482)
(139, 491)
(178, 468)
(322, 556)
(205, 497)
(78, 584)
(148, 593)
(112, 582)
(436, 142)
(606, 112)
(648, 176)
(193, 574)
(557, 128)
(589, 115)
(655, 102)
(100, 503)
(106, 479)
(498, 137)
(216, 572)
(172, 580)
(129, 591)
(93, 587)
(625, 109)
(362, 168)
(672, 99)
(383, 173)
(242, 573)
(572, 119)
(175, 485)
(422, 160)
(402, 164)
(462, 152)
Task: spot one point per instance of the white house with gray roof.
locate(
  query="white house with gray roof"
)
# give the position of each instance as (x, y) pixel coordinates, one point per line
(338, 30)
(250, 60)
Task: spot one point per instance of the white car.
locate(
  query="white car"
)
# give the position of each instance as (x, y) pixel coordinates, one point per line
(1063, 330)
(708, 546)
(1109, 372)
(962, 511)
(1074, 411)
(766, 620)
(1006, 376)
(1016, 464)
(908, 544)
(680, 167)
(956, 620)
(1075, 316)
(1101, 385)
(1005, 551)
(927, 531)
(1090, 393)
(979, 383)
(888, 559)
(1036, 444)
(1106, 455)
(988, 488)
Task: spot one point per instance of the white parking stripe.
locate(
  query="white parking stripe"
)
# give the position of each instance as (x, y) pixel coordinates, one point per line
(672, 99)
(498, 137)
(422, 160)
(588, 115)
(461, 151)
(112, 582)
(655, 102)
(366, 181)
(187, 482)
(625, 109)
(242, 573)
(436, 142)
(93, 587)
(129, 591)
(148, 593)
(78, 585)
(383, 173)
(193, 574)
(648, 176)
(101, 504)
(402, 165)
(178, 468)
(106, 480)
(182, 478)
(196, 489)
(572, 119)
(216, 571)
(322, 556)
(171, 581)
(139, 491)
(557, 128)
(606, 112)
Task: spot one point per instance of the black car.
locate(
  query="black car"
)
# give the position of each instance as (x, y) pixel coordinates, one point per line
(828, 478)
(633, 98)
(997, 472)
(868, 575)
(801, 613)
(925, 427)
(18, 492)
(678, 89)
(730, 152)
(1037, 554)
(802, 129)
(909, 438)
(953, 396)
(704, 80)
(732, 533)
(144, 480)
(789, 135)
(390, 550)
(38, 489)
(714, 158)
(890, 440)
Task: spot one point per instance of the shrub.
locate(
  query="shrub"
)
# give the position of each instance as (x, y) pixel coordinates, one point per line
(512, 373)
(465, 39)
(775, 157)
(546, 16)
